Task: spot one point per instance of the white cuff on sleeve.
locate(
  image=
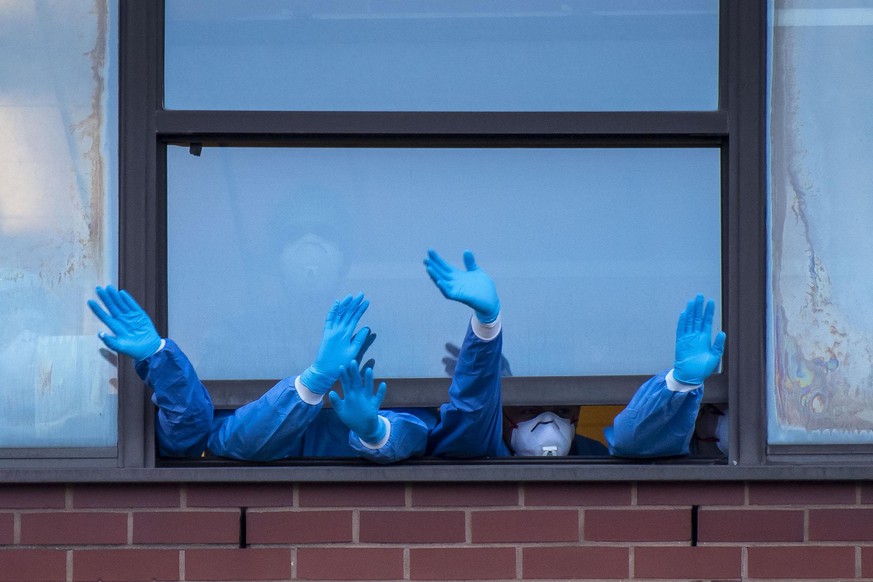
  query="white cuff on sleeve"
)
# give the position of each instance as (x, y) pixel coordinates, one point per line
(485, 331)
(383, 440)
(307, 395)
(675, 385)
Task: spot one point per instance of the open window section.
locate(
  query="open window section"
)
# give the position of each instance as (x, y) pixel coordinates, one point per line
(595, 252)
(58, 227)
(518, 55)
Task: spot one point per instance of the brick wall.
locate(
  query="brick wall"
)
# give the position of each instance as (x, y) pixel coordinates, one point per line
(532, 531)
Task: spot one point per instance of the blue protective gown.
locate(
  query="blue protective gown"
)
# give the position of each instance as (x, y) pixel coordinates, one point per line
(282, 424)
(657, 422)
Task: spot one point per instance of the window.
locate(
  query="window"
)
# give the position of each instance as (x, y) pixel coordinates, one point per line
(634, 131)
(819, 183)
(59, 143)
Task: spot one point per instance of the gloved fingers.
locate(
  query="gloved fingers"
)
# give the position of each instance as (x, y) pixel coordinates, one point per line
(129, 302)
(438, 263)
(353, 316)
(470, 260)
(337, 310)
(682, 325)
(107, 319)
(718, 344)
(437, 270)
(689, 317)
(369, 364)
(359, 342)
(335, 400)
(110, 341)
(368, 341)
(108, 296)
(435, 276)
(708, 313)
(349, 378)
(380, 394)
(698, 313)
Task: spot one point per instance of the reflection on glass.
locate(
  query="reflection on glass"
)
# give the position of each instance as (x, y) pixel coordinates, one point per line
(58, 223)
(437, 55)
(593, 250)
(821, 201)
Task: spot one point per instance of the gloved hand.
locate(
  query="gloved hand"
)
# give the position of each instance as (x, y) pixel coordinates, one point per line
(135, 334)
(359, 407)
(697, 355)
(471, 287)
(339, 344)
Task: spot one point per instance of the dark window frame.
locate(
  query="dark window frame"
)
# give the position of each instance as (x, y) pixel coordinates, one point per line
(737, 128)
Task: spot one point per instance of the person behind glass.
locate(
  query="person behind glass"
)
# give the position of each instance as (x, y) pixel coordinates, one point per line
(288, 420)
(659, 420)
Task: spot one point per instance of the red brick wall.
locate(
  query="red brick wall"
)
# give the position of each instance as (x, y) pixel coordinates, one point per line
(310, 531)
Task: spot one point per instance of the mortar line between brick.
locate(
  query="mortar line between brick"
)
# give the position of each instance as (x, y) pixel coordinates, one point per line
(182, 565)
(468, 526)
(129, 528)
(295, 495)
(69, 565)
(631, 562)
(356, 526)
(806, 525)
(744, 563)
(16, 528)
(634, 494)
(857, 493)
(407, 495)
(68, 497)
(857, 561)
(746, 493)
(293, 563)
(406, 568)
(519, 564)
(183, 497)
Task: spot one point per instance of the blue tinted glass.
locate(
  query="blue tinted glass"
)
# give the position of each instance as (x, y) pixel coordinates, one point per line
(821, 200)
(479, 55)
(594, 252)
(58, 220)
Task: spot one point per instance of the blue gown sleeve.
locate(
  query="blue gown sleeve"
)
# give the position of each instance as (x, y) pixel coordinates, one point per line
(657, 422)
(185, 410)
(267, 429)
(408, 437)
(471, 424)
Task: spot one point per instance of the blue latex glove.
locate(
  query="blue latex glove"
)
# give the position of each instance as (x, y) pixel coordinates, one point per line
(697, 356)
(135, 334)
(471, 287)
(339, 344)
(359, 406)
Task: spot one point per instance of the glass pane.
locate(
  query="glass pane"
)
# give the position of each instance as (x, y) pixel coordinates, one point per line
(821, 201)
(480, 55)
(58, 146)
(594, 252)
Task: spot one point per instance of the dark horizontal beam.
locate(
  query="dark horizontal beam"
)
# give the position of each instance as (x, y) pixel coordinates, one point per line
(509, 469)
(427, 392)
(264, 127)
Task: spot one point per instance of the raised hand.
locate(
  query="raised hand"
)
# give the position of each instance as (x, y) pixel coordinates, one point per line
(697, 355)
(472, 287)
(359, 406)
(135, 334)
(339, 343)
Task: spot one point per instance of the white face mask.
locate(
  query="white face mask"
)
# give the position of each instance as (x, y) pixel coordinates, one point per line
(545, 435)
(721, 432)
